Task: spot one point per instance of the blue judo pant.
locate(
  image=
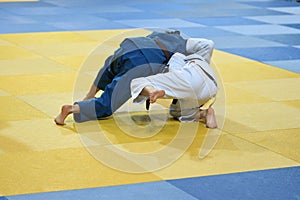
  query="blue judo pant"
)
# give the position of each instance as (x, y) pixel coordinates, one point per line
(127, 63)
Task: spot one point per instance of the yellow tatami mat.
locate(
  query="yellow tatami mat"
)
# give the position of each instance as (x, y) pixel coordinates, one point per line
(42, 71)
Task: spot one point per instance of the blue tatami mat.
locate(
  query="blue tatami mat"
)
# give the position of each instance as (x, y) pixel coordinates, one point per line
(270, 184)
(235, 26)
(267, 53)
(147, 191)
(277, 184)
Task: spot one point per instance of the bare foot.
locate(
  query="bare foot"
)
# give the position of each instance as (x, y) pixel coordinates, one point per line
(65, 111)
(210, 118)
(156, 94)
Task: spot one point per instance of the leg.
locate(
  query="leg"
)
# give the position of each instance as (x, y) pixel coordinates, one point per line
(115, 66)
(209, 117)
(65, 111)
(90, 108)
(96, 108)
(104, 77)
(120, 94)
(92, 92)
(141, 87)
(153, 93)
(107, 80)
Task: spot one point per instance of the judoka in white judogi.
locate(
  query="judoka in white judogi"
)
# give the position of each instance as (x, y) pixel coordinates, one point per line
(190, 80)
